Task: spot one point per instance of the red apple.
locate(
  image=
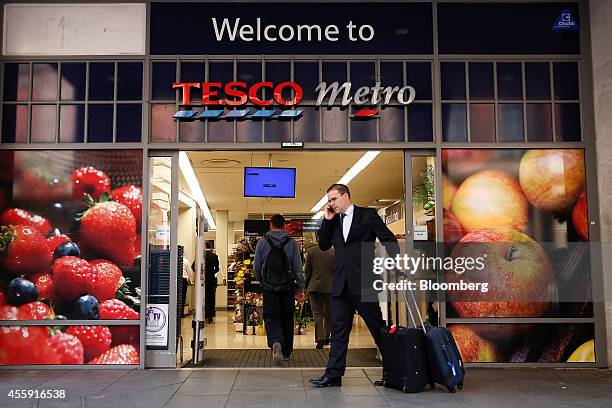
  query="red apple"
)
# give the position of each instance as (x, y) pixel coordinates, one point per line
(552, 179)
(461, 163)
(448, 192)
(580, 217)
(473, 347)
(519, 276)
(490, 198)
(453, 231)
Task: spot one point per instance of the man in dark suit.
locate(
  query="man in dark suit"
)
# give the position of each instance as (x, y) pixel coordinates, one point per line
(318, 271)
(351, 230)
(211, 263)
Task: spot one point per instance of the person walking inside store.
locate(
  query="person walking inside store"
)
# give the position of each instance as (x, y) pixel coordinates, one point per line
(318, 271)
(278, 266)
(211, 263)
(351, 230)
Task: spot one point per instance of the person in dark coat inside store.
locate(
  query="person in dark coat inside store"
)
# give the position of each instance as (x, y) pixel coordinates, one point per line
(211, 262)
(280, 273)
(352, 231)
(318, 271)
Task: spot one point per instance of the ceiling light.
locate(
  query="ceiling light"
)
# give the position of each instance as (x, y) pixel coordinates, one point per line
(357, 168)
(220, 162)
(194, 187)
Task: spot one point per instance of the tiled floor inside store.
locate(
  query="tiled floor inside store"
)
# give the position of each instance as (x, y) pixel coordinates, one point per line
(212, 388)
(222, 335)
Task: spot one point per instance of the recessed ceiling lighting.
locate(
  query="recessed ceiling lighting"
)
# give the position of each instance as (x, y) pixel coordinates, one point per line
(220, 162)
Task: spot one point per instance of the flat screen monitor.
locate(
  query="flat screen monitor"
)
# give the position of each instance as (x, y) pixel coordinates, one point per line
(269, 182)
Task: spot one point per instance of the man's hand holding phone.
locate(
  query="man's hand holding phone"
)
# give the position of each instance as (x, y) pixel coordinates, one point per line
(329, 213)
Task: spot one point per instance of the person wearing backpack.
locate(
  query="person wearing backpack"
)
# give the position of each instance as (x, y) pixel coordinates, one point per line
(278, 266)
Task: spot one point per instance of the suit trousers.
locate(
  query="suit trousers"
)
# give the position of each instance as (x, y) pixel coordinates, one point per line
(321, 312)
(278, 309)
(343, 310)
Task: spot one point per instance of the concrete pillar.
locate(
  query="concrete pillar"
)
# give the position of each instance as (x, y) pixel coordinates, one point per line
(601, 32)
(222, 239)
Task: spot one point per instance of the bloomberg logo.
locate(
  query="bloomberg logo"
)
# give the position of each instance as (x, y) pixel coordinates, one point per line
(239, 94)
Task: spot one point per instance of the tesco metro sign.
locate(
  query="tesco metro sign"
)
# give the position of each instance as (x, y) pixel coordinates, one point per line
(235, 94)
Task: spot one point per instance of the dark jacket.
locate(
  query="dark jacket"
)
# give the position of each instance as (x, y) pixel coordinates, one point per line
(291, 250)
(357, 252)
(211, 262)
(319, 269)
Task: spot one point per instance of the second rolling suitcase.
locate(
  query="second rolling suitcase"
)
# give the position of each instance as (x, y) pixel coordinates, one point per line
(445, 365)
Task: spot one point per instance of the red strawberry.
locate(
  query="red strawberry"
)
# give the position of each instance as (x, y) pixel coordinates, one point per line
(121, 354)
(23, 344)
(25, 250)
(105, 280)
(37, 311)
(131, 197)
(125, 335)
(71, 275)
(88, 180)
(45, 284)
(114, 309)
(18, 216)
(95, 339)
(68, 348)
(108, 229)
(55, 241)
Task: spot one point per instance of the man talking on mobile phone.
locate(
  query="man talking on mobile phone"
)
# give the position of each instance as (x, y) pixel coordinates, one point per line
(352, 231)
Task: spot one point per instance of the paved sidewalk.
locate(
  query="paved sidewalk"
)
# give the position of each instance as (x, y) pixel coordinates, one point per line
(211, 388)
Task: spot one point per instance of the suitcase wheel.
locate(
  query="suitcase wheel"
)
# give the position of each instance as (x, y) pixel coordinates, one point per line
(451, 389)
(460, 385)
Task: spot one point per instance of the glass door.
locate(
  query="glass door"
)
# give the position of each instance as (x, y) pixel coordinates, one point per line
(419, 210)
(161, 310)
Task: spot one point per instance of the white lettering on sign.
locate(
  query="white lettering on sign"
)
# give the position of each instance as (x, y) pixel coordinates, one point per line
(377, 94)
(235, 30)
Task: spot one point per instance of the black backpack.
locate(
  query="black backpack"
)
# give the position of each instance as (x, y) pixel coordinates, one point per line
(276, 275)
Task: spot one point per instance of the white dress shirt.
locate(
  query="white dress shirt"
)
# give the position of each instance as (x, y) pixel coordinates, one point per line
(346, 222)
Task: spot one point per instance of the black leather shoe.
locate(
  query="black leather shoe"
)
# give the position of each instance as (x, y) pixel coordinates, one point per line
(379, 383)
(320, 344)
(327, 382)
(312, 380)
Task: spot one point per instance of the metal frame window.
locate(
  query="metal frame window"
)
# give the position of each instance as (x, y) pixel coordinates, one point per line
(72, 101)
(542, 101)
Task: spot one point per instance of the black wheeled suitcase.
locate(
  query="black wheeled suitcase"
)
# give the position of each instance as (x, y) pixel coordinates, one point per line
(404, 359)
(444, 362)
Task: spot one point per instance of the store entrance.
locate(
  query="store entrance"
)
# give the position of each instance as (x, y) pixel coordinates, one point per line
(221, 211)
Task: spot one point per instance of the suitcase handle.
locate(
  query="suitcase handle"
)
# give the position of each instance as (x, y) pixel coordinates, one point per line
(408, 308)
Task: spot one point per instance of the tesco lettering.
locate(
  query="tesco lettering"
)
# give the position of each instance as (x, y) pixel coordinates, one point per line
(239, 93)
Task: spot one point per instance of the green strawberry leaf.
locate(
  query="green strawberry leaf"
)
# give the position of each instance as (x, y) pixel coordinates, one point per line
(89, 201)
(105, 197)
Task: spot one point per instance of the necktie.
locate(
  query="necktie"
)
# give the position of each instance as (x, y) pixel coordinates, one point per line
(342, 219)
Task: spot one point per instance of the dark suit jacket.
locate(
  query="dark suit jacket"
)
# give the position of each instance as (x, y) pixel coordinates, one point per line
(211, 263)
(357, 252)
(319, 269)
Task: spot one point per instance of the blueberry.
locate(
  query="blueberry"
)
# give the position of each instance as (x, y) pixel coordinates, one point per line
(21, 291)
(66, 249)
(87, 308)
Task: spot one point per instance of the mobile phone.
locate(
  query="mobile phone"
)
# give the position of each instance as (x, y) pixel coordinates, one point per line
(330, 209)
